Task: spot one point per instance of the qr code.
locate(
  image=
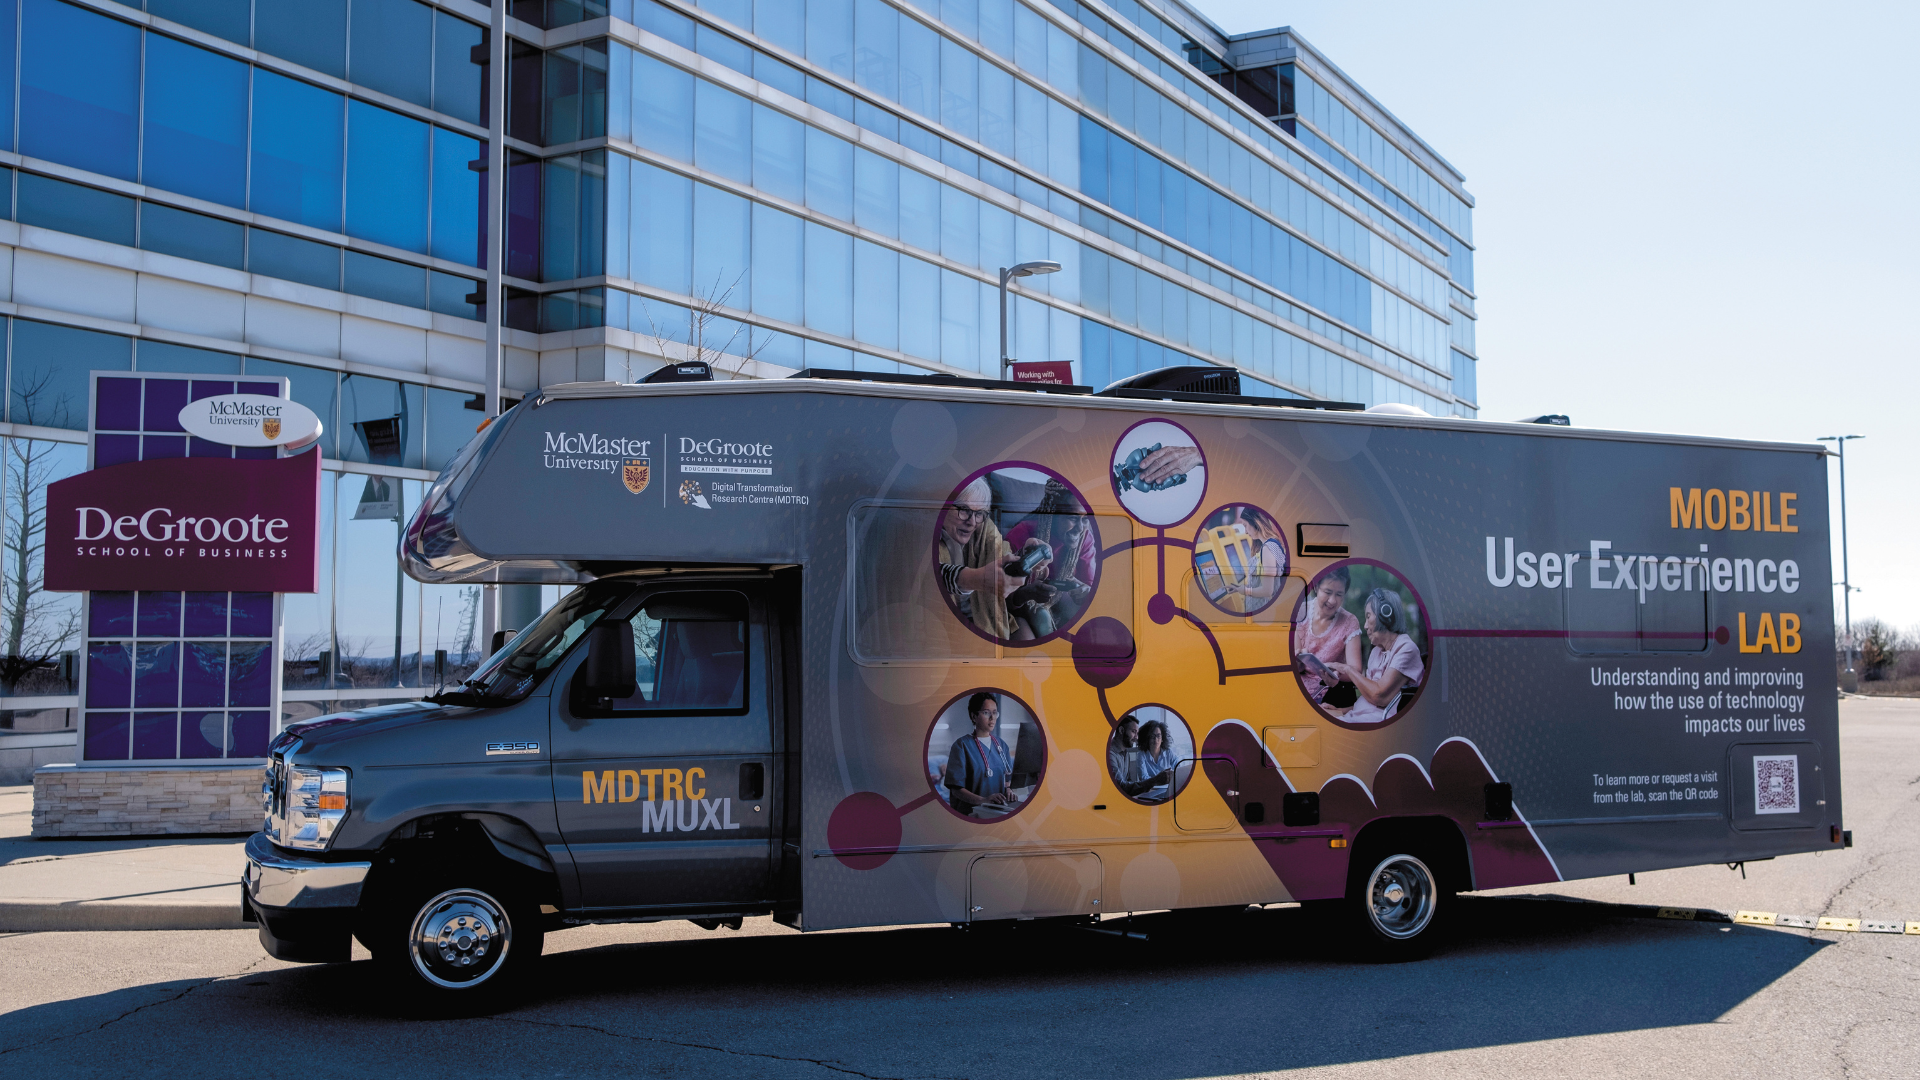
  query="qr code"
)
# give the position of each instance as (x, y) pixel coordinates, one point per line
(1776, 785)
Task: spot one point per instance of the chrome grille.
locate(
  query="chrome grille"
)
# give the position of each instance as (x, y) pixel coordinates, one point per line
(274, 791)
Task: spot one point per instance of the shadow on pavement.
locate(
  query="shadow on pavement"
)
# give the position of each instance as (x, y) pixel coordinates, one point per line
(1235, 993)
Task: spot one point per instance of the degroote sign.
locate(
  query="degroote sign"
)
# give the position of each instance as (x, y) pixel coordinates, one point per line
(212, 524)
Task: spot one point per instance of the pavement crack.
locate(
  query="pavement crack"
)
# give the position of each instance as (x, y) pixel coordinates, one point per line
(109, 1022)
(821, 1062)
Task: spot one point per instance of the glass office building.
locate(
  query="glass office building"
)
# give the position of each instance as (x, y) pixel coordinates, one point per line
(298, 188)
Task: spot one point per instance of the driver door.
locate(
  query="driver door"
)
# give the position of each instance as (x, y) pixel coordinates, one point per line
(665, 798)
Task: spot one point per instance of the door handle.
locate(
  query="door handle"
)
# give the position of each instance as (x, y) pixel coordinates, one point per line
(752, 779)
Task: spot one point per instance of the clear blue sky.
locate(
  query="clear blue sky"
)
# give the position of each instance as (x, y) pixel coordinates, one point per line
(1691, 217)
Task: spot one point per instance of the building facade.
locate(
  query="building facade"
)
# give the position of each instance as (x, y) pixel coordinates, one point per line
(298, 189)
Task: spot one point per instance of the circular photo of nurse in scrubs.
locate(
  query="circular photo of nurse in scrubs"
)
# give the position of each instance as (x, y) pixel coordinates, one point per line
(1360, 644)
(985, 755)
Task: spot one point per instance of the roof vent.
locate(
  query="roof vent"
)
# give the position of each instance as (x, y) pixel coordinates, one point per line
(1191, 379)
(1395, 408)
(692, 371)
(1556, 419)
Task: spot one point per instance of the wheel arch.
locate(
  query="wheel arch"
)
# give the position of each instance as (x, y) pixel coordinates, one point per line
(1435, 839)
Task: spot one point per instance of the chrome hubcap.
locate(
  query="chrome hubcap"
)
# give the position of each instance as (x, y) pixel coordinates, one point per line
(460, 938)
(1400, 897)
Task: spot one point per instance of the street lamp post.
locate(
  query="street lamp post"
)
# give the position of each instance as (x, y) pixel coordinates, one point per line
(1007, 274)
(1846, 576)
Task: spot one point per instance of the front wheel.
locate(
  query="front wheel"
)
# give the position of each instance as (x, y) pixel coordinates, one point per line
(469, 947)
(1399, 904)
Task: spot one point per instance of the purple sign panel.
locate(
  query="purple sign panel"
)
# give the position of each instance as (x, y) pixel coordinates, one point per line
(212, 524)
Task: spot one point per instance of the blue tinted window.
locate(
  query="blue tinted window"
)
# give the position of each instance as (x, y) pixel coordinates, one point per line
(196, 122)
(662, 108)
(8, 26)
(919, 210)
(447, 294)
(830, 35)
(459, 84)
(776, 251)
(780, 75)
(593, 213)
(452, 417)
(384, 279)
(380, 421)
(50, 366)
(722, 250)
(298, 140)
(671, 25)
(723, 132)
(782, 24)
(79, 88)
(876, 28)
(311, 33)
(457, 191)
(392, 48)
(829, 280)
(737, 12)
(293, 259)
(876, 193)
(663, 229)
(386, 177)
(829, 174)
(559, 216)
(160, 356)
(229, 19)
(724, 48)
(876, 295)
(779, 154)
(71, 208)
(919, 308)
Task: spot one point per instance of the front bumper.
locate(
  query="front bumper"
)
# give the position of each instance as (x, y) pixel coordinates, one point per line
(305, 907)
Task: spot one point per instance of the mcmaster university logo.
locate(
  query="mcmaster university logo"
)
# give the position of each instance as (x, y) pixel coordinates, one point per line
(635, 474)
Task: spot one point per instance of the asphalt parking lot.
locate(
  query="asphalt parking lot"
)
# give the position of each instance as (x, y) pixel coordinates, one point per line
(1529, 987)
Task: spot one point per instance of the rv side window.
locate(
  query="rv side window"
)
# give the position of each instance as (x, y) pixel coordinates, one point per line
(690, 654)
(1664, 611)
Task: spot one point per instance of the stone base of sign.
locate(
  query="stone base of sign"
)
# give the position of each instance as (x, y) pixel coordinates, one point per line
(158, 800)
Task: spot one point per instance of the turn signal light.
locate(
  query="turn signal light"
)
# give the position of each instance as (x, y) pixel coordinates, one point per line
(333, 802)
(1338, 841)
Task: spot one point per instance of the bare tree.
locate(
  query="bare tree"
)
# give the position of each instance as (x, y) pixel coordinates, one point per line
(39, 625)
(706, 323)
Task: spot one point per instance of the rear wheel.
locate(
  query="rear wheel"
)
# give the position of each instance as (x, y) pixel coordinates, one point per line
(1397, 908)
(461, 946)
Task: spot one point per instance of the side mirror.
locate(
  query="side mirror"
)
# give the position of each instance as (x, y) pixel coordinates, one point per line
(609, 671)
(500, 639)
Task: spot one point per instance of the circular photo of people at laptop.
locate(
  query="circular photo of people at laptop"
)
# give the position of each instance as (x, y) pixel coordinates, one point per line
(985, 755)
(1150, 754)
(1017, 553)
(1159, 472)
(1360, 644)
(1240, 559)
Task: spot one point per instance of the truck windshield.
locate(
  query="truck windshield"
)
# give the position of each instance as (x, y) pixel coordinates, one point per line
(513, 672)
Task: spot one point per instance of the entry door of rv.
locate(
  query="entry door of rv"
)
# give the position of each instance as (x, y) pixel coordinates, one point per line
(665, 798)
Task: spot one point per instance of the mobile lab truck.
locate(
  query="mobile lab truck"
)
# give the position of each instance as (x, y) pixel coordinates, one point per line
(857, 653)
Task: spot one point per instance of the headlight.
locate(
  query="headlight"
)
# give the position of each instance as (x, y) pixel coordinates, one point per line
(316, 801)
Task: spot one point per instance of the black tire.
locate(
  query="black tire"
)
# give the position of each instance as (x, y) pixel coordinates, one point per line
(453, 943)
(1397, 908)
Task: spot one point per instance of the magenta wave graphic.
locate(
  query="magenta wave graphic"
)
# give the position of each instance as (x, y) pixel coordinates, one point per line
(1451, 786)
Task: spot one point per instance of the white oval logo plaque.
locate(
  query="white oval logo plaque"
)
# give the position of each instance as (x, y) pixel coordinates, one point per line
(251, 420)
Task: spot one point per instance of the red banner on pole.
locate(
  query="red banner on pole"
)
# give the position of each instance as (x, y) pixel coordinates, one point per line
(1056, 372)
(199, 524)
